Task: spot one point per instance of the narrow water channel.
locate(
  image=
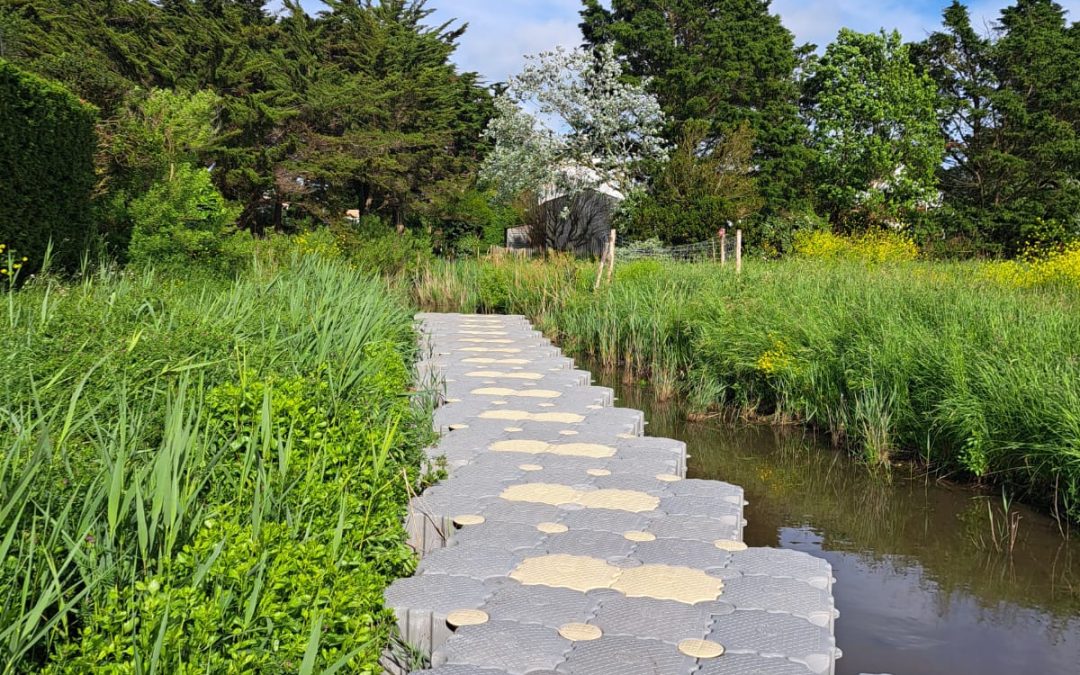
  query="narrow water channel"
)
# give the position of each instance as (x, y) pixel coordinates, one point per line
(927, 584)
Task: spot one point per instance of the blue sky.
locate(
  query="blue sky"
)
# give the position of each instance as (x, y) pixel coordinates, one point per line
(502, 31)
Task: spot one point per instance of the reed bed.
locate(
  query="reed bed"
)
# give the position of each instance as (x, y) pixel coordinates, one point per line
(200, 475)
(908, 359)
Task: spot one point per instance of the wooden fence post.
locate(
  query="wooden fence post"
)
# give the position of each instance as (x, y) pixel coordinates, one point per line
(611, 256)
(603, 261)
(723, 247)
(738, 251)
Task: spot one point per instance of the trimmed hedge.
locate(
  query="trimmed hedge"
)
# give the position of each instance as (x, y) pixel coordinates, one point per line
(47, 145)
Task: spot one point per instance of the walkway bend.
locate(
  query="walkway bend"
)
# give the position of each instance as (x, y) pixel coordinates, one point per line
(565, 541)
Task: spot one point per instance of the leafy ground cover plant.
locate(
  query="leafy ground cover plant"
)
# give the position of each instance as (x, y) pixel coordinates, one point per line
(205, 476)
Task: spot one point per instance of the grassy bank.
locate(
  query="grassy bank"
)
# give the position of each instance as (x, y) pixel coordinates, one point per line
(933, 360)
(204, 476)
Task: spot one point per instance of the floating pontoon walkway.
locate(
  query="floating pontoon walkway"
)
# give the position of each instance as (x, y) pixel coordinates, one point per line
(564, 541)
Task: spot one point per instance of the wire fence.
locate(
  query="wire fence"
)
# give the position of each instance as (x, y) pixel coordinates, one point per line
(721, 249)
(716, 249)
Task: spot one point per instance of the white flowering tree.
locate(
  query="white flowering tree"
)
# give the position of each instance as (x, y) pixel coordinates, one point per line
(569, 123)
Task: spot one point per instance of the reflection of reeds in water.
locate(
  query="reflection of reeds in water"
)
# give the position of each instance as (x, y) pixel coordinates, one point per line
(895, 521)
(1003, 528)
(870, 357)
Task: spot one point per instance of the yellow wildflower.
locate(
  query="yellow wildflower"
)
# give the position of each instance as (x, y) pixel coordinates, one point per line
(775, 360)
(878, 246)
(1037, 268)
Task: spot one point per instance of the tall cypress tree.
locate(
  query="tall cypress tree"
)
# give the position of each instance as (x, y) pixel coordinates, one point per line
(1012, 120)
(390, 122)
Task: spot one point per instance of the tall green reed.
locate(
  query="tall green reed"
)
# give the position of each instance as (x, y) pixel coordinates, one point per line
(163, 433)
(919, 359)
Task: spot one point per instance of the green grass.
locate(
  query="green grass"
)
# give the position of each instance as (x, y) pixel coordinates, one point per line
(204, 476)
(925, 360)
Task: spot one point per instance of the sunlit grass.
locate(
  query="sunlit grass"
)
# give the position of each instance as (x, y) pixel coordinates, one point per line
(914, 359)
(204, 476)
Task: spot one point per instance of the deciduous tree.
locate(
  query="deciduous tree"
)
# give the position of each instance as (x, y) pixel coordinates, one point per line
(875, 124)
(569, 122)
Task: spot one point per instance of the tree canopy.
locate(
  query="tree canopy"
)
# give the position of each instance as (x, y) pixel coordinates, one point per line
(590, 129)
(1011, 118)
(875, 124)
(723, 62)
(968, 139)
(359, 107)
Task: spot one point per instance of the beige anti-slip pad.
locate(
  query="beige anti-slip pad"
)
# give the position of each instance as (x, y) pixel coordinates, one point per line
(523, 393)
(522, 415)
(466, 617)
(468, 519)
(502, 374)
(553, 528)
(730, 545)
(701, 649)
(580, 632)
(558, 495)
(491, 350)
(532, 447)
(584, 574)
(485, 361)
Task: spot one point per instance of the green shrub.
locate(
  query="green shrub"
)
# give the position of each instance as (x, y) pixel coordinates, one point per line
(469, 221)
(47, 145)
(705, 184)
(696, 220)
(470, 245)
(392, 253)
(183, 221)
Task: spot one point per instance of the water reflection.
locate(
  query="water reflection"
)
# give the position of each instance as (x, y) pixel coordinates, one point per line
(926, 581)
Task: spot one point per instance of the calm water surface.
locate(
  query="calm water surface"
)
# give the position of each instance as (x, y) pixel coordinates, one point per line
(922, 585)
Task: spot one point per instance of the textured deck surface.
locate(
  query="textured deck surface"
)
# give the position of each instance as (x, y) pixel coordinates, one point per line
(564, 541)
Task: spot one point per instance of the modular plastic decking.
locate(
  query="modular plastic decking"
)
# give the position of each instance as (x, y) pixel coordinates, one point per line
(565, 541)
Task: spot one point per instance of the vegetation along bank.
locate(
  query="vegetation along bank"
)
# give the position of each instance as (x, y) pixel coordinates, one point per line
(201, 475)
(973, 368)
